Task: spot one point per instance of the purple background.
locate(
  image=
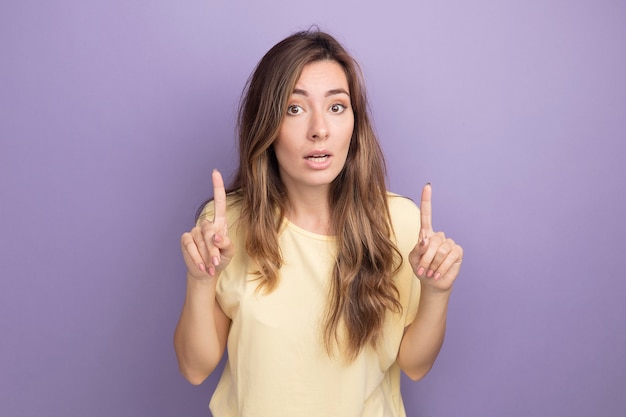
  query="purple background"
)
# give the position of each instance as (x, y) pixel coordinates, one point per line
(113, 114)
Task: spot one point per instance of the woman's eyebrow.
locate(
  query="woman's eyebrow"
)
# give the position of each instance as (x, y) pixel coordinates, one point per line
(337, 91)
(332, 92)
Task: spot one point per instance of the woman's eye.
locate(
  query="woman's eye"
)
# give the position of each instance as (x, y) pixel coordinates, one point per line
(294, 109)
(337, 108)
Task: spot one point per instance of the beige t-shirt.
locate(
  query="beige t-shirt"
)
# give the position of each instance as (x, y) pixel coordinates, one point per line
(277, 364)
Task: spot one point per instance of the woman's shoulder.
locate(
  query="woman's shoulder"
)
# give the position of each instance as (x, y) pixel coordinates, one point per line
(401, 205)
(233, 209)
(405, 219)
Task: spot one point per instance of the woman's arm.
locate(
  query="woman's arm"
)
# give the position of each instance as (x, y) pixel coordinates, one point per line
(202, 330)
(436, 261)
(423, 338)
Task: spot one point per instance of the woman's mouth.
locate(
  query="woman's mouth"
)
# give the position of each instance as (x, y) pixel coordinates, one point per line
(317, 158)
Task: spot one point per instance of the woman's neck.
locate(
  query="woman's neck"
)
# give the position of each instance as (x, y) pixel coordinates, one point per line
(310, 211)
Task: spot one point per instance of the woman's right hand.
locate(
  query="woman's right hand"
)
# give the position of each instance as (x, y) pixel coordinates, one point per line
(207, 249)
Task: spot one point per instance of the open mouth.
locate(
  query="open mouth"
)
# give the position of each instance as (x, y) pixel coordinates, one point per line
(317, 158)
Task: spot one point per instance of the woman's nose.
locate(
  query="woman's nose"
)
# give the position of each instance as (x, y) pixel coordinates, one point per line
(318, 128)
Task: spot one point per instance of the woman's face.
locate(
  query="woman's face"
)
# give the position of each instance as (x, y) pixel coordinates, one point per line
(314, 137)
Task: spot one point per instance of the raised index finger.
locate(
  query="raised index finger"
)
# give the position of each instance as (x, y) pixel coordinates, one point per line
(426, 212)
(219, 197)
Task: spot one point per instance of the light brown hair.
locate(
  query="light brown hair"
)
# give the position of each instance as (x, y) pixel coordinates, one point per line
(362, 289)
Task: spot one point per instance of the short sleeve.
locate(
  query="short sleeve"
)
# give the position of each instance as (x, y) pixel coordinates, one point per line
(405, 219)
(206, 213)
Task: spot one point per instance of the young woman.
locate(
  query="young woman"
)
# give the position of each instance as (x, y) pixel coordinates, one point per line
(322, 284)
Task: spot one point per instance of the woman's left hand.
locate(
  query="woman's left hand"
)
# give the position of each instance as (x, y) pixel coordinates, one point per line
(436, 259)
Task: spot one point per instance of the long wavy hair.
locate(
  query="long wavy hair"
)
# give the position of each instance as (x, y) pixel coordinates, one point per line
(362, 290)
